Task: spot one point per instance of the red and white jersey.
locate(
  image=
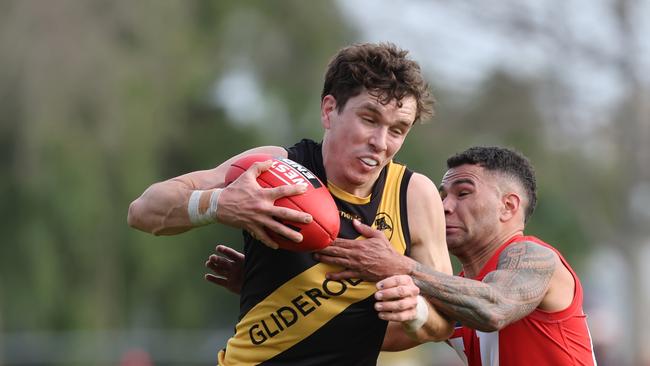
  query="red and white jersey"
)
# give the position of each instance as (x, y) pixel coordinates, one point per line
(541, 338)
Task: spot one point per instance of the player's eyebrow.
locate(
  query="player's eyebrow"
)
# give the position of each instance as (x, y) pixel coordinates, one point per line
(372, 108)
(458, 182)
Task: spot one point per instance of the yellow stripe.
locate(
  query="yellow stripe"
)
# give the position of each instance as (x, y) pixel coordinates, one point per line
(305, 313)
(390, 204)
(345, 196)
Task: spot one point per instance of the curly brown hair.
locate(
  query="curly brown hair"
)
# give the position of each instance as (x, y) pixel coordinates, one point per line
(384, 70)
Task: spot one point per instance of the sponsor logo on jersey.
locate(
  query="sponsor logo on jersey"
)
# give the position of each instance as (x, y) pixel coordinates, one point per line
(299, 307)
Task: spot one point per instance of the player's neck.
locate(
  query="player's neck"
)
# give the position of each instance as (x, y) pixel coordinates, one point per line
(360, 191)
(473, 262)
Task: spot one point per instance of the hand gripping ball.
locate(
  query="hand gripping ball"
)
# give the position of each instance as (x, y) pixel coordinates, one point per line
(316, 201)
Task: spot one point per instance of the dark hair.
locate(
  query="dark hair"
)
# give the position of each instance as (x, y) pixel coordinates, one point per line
(383, 70)
(502, 160)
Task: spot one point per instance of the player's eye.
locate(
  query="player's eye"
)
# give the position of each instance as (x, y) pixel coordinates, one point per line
(368, 119)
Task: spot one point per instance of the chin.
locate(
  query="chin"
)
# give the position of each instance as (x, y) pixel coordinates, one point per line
(452, 242)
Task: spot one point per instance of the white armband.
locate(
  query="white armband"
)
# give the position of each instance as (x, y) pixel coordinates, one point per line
(421, 316)
(198, 218)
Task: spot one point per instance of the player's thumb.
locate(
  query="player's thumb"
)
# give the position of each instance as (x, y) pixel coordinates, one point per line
(260, 167)
(366, 230)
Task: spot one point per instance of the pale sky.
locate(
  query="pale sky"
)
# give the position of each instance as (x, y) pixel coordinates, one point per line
(458, 43)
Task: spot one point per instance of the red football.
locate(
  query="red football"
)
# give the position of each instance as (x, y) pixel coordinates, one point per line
(316, 201)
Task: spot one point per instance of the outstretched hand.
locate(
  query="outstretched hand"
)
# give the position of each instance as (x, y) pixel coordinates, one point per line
(245, 204)
(228, 268)
(371, 259)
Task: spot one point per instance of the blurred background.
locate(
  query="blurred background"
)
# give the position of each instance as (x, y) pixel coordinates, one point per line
(99, 99)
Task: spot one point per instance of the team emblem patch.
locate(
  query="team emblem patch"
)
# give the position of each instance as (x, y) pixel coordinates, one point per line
(383, 222)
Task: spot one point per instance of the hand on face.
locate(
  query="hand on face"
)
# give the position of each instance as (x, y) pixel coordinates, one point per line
(245, 204)
(371, 259)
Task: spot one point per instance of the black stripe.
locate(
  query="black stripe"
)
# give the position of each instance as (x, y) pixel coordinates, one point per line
(403, 210)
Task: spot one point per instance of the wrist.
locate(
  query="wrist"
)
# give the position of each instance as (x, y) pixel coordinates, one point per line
(421, 316)
(202, 206)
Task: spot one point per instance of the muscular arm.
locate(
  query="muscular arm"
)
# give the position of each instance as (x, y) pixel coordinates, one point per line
(162, 208)
(505, 295)
(427, 225)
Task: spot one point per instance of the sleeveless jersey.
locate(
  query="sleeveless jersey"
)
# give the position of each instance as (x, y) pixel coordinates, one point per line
(290, 314)
(541, 338)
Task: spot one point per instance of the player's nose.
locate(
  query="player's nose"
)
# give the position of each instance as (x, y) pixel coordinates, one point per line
(378, 139)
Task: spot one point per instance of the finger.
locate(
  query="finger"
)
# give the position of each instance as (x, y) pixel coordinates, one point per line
(366, 230)
(334, 251)
(346, 243)
(259, 167)
(282, 230)
(401, 316)
(287, 214)
(286, 190)
(394, 281)
(397, 293)
(219, 265)
(404, 305)
(339, 261)
(219, 260)
(230, 253)
(216, 280)
(263, 237)
(343, 275)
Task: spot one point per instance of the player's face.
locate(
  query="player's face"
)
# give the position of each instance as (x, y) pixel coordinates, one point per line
(470, 198)
(361, 139)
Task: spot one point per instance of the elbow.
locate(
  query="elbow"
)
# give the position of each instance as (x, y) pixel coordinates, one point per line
(487, 328)
(491, 323)
(141, 218)
(446, 334)
(133, 217)
(443, 333)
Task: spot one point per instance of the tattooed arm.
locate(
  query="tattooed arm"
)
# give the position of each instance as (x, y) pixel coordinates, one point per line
(518, 285)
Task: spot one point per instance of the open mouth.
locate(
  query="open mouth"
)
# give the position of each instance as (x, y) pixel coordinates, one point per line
(370, 162)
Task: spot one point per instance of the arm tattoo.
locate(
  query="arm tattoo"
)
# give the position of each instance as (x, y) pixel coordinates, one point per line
(505, 295)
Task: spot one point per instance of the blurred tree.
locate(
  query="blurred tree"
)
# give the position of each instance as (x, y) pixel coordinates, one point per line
(610, 159)
(102, 98)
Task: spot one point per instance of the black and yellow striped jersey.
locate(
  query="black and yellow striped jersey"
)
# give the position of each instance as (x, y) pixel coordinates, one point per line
(290, 314)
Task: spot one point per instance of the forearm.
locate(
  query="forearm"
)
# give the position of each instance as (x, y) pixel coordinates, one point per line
(437, 327)
(399, 337)
(473, 303)
(163, 208)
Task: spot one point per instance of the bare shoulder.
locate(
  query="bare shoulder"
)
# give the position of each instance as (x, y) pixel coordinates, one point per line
(538, 270)
(527, 255)
(423, 200)
(426, 221)
(420, 185)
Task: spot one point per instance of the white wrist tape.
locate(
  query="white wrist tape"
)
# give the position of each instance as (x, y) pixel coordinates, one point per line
(421, 316)
(202, 218)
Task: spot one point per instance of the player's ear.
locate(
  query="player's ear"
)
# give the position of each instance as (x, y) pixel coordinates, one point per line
(510, 204)
(327, 106)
